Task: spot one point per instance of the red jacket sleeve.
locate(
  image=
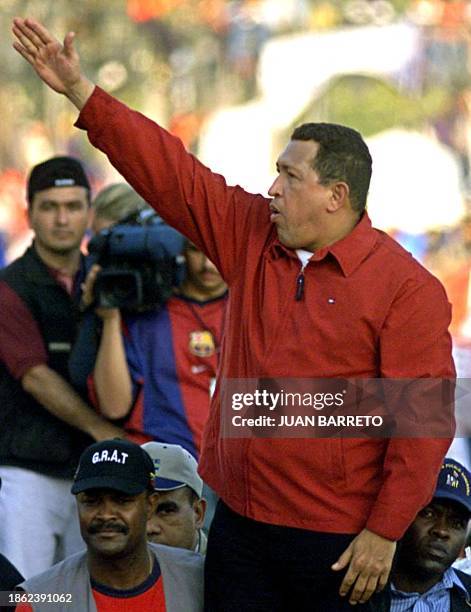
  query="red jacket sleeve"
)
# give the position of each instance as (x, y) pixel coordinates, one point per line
(415, 342)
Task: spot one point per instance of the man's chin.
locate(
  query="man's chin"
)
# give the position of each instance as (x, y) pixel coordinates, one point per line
(431, 567)
(154, 539)
(287, 241)
(59, 247)
(209, 281)
(160, 540)
(63, 249)
(109, 551)
(107, 546)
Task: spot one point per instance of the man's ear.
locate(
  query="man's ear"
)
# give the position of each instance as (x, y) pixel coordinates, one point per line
(152, 499)
(27, 213)
(199, 507)
(340, 196)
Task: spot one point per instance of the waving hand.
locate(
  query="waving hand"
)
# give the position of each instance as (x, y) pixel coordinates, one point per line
(58, 65)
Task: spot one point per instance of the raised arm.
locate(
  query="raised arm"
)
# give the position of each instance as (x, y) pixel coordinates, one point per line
(58, 65)
(111, 376)
(218, 218)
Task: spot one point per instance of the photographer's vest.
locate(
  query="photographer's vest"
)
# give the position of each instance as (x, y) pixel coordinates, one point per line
(31, 437)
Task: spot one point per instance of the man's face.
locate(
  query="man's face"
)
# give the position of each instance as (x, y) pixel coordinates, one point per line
(300, 202)
(176, 519)
(113, 524)
(435, 538)
(202, 274)
(59, 217)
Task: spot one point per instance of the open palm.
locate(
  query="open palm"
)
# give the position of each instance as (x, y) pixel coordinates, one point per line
(56, 64)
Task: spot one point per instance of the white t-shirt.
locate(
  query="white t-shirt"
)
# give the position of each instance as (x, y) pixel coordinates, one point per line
(304, 256)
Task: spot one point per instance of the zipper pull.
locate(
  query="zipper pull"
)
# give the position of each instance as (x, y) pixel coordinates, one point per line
(300, 286)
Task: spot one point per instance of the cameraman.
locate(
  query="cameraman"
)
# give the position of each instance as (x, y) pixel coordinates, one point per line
(154, 371)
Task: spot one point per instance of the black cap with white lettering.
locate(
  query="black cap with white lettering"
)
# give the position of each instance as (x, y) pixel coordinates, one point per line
(57, 172)
(116, 464)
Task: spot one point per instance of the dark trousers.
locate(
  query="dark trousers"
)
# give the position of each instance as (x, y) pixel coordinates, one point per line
(256, 567)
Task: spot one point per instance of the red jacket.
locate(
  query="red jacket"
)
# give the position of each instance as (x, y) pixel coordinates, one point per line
(368, 310)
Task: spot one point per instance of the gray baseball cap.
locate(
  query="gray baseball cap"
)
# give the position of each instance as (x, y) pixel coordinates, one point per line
(174, 467)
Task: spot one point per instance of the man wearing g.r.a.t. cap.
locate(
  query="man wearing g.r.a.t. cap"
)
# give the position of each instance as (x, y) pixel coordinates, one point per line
(120, 570)
(44, 424)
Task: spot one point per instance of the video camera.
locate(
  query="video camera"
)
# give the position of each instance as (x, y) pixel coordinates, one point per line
(140, 262)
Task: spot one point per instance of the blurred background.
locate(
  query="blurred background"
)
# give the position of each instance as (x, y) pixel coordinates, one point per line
(232, 78)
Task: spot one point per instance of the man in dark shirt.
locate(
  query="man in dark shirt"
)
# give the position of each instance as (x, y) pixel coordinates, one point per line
(44, 424)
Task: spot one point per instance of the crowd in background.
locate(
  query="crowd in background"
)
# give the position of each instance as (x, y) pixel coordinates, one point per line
(197, 56)
(213, 61)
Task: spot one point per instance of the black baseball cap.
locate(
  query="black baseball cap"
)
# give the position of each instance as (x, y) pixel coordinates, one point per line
(114, 464)
(454, 482)
(56, 172)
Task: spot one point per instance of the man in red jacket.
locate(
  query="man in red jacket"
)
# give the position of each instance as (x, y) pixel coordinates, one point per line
(315, 292)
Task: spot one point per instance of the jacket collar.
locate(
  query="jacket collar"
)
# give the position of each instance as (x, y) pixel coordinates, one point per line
(37, 270)
(349, 252)
(39, 273)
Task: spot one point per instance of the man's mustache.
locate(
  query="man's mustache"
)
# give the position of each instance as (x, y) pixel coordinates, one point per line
(99, 526)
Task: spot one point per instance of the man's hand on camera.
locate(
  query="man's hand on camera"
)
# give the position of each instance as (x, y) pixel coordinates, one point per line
(58, 65)
(88, 295)
(88, 285)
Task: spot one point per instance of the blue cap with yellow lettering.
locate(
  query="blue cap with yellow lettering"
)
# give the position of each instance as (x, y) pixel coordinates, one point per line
(454, 482)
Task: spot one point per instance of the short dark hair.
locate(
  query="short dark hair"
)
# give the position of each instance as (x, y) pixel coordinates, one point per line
(342, 156)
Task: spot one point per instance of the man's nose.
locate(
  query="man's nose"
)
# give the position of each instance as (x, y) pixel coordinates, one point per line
(153, 527)
(275, 189)
(208, 264)
(441, 527)
(106, 509)
(62, 215)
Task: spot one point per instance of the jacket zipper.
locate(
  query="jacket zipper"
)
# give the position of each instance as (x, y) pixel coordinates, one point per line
(300, 283)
